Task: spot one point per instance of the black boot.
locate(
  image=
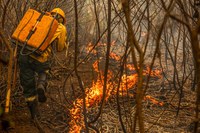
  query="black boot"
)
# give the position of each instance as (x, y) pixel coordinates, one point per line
(41, 93)
(33, 107)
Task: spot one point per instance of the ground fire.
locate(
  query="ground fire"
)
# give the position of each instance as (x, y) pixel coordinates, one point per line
(95, 92)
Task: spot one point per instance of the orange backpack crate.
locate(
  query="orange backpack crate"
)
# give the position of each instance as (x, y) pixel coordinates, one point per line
(35, 31)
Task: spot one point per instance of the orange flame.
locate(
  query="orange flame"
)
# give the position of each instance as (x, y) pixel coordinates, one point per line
(89, 47)
(93, 96)
(114, 56)
(95, 93)
(155, 73)
(95, 66)
(153, 100)
(130, 67)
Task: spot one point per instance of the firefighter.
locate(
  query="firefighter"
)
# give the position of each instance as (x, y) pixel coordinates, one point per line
(34, 87)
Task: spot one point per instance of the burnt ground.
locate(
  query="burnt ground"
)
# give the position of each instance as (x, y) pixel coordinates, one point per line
(63, 90)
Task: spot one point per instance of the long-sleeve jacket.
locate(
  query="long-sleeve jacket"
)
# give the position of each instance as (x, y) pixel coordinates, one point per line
(60, 35)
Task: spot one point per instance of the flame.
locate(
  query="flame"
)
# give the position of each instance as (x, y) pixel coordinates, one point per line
(153, 100)
(89, 48)
(95, 66)
(130, 67)
(115, 56)
(154, 73)
(93, 95)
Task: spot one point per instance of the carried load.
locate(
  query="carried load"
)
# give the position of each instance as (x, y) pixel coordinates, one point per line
(34, 32)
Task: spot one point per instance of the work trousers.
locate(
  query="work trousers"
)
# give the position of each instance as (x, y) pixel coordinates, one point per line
(29, 67)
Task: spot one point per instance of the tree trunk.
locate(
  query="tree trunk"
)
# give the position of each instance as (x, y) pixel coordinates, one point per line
(139, 98)
(196, 55)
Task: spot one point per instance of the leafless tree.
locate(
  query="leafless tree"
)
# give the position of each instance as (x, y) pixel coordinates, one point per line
(163, 34)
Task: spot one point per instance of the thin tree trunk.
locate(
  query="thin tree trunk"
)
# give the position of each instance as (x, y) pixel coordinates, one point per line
(106, 63)
(133, 43)
(75, 67)
(10, 65)
(196, 54)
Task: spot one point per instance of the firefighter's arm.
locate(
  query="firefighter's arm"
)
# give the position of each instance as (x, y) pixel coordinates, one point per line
(61, 44)
(59, 38)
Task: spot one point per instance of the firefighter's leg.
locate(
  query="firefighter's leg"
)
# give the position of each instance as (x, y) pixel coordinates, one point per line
(41, 87)
(27, 80)
(41, 68)
(33, 107)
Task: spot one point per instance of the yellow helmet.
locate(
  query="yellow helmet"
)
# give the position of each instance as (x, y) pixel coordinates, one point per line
(60, 12)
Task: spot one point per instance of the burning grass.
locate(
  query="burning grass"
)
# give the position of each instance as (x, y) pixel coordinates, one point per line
(95, 92)
(159, 112)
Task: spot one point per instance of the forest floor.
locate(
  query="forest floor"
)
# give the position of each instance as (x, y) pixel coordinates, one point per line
(63, 90)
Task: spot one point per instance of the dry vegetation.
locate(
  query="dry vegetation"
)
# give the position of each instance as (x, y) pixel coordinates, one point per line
(95, 88)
